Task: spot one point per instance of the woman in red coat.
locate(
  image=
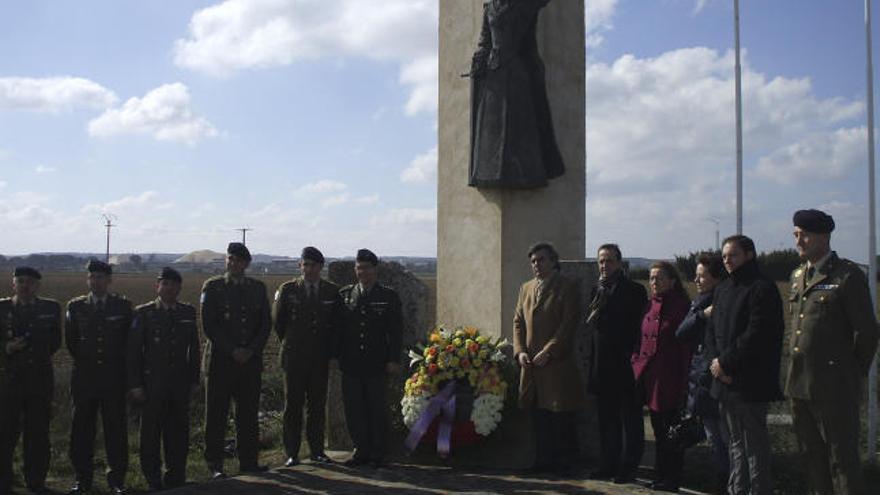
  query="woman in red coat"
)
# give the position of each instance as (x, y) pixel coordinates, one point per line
(661, 365)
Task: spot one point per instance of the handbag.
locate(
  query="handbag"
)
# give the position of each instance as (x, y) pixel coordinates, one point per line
(685, 431)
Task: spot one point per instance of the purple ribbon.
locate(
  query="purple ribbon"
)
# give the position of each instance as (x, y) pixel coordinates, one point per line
(442, 404)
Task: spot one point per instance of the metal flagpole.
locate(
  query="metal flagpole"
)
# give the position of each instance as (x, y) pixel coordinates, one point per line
(739, 137)
(872, 235)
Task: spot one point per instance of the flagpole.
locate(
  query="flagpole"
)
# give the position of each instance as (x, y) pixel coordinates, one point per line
(739, 146)
(872, 234)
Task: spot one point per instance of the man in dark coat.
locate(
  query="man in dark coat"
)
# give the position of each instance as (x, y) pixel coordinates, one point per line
(236, 319)
(163, 373)
(30, 333)
(744, 346)
(369, 351)
(615, 313)
(306, 315)
(96, 334)
(833, 340)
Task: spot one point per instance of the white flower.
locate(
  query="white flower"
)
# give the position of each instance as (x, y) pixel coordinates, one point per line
(445, 333)
(486, 413)
(411, 407)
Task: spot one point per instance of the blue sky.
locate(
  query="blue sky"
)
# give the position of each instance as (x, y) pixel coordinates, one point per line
(314, 122)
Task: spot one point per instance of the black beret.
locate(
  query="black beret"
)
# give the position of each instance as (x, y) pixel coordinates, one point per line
(169, 273)
(26, 271)
(313, 254)
(99, 266)
(814, 221)
(368, 256)
(240, 250)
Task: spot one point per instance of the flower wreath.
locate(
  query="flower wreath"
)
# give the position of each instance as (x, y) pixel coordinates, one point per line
(456, 363)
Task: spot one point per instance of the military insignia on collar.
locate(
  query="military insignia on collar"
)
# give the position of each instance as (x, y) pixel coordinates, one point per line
(798, 272)
(826, 286)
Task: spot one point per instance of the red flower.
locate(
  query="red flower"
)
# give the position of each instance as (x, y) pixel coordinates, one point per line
(432, 368)
(465, 363)
(450, 348)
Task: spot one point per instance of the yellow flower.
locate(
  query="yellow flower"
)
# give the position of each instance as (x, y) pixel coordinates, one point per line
(483, 354)
(482, 340)
(470, 331)
(456, 342)
(434, 337)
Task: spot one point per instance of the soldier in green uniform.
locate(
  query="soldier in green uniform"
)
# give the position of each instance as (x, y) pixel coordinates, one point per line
(306, 315)
(833, 340)
(163, 372)
(96, 332)
(369, 351)
(236, 319)
(30, 333)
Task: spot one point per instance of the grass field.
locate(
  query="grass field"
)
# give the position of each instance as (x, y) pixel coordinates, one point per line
(140, 288)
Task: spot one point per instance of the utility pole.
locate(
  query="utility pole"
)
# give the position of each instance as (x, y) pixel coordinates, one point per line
(108, 217)
(739, 137)
(717, 223)
(244, 231)
(872, 234)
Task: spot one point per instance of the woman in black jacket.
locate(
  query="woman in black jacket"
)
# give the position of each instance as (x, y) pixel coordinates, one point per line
(710, 271)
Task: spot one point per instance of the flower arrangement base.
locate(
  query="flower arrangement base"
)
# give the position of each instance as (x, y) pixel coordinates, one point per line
(463, 434)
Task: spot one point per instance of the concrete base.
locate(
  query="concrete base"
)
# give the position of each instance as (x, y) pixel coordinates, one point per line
(483, 234)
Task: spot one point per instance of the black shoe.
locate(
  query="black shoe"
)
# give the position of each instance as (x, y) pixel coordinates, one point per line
(538, 469)
(36, 489)
(624, 478)
(602, 474)
(291, 461)
(664, 486)
(79, 488)
(377, 463)
(254, 468)
(118, 490)
(322, 458)
(357, 461)
(217, 473)
(564, 471)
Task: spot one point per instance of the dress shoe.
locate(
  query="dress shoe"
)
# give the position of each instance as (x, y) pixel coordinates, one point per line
(217, 474)
(602, 474)
(624, 477)
(255, 468)
(321, 458)
(664, 486)
(118, 490)
(291, 461)
(357, 461)
(36, 489)
(538, 469)
(79, 488)
(377, 463)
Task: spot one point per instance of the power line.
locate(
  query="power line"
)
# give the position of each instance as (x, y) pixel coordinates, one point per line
(108, 217)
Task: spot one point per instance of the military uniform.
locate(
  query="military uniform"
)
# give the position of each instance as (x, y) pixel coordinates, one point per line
(235, 314)
(371, 338)
(833, 340)
(26, 383)
(96, 333)
(163, 359)
(306, 325)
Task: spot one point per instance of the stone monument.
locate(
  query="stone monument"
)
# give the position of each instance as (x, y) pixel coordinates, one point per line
(483, 234)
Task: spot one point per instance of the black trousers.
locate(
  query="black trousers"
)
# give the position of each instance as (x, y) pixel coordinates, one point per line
(669, 461)
(366, 414)
(621, 430)
(165, 426)
(307, 387)
(228, 382)
(82, 436)
(24, 412)
(555, 438)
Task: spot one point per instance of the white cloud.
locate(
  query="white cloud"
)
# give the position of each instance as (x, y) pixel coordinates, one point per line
(405, 216)
(598, 14)
(661, 150)
(320, 187)
(828, 155)
(163, 113)
(42, 169)
(422, 169)
(3, 184)
(53, 94)
(135, 204)
(253, 34)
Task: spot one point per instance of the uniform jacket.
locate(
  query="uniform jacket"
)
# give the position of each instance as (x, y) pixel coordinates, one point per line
(745, 335)
(163, 348)
(833, 332)
(235, 314)
(306, 328)
(372, 331)
(616, 335)
(662, 361)
(548, 323)
(40, 324)
(96, 339)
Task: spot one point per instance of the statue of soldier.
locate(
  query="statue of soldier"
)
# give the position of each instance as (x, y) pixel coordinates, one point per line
(96, 333)
(30, 333)
(236, 319)
(306, 315)
(369, 351)
(163, 372)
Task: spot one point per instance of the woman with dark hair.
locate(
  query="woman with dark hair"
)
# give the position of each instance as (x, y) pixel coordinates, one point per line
(660, 368)
(710, 271)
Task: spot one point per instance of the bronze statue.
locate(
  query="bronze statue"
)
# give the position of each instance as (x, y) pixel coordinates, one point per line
(512, 140)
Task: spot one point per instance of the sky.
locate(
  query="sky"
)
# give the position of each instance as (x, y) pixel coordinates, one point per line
(315, 122)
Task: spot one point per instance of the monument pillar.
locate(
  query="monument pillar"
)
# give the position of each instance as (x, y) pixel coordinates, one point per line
(483, 235)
